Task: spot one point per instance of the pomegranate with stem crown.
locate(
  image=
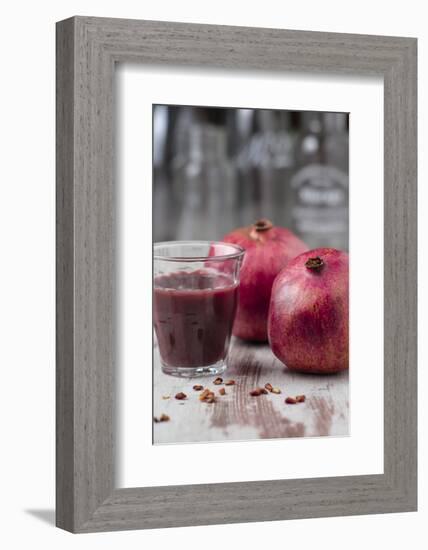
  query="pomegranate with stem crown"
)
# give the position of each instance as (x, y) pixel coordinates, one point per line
(267, 250)
(308, 323)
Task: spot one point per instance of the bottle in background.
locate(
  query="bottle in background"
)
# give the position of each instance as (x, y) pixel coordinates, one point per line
(205, 181)
(160, 187)
(240, 129)
(274, 152)
(320, 185)
(265, 166)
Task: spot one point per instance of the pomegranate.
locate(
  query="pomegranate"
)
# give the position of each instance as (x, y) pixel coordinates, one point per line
(309, 312)
(267, 250)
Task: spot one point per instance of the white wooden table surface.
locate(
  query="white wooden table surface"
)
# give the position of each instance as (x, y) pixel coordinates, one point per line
(239, 416)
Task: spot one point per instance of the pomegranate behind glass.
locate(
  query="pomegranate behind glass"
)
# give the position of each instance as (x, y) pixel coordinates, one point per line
(267, 250)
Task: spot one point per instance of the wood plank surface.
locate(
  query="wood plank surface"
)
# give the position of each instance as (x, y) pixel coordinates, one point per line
(240, 416)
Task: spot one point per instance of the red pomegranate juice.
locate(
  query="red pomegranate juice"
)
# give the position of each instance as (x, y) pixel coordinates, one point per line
(193, 317)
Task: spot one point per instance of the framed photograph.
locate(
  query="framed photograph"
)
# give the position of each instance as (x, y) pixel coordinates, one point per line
(236, 274)
(226, 175)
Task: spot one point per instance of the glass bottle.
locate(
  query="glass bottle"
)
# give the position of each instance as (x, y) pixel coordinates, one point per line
(276, 162)
(240, 133)
(267, 164)
(205, 181)
(161, 188)
(320, 185)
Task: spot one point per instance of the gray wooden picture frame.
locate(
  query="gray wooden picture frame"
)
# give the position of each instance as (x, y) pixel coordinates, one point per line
(87, 51)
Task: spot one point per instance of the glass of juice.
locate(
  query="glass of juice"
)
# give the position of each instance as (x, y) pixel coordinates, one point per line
(195, 295)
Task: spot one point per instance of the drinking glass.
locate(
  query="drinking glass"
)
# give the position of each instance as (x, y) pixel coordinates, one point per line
(195, 295)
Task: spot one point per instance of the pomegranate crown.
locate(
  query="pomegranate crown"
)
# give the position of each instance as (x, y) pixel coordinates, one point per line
(262, 225)
(314, 264)
(259, 226)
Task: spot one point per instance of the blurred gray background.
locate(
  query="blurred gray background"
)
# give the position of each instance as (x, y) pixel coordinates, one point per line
(215, 169)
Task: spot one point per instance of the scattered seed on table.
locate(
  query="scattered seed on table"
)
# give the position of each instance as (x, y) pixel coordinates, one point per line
(290, 400)
(163, 418)
(204, 394)
(181, 396)
(229, 383)
(257, 392)
(218, 381)
(207, 396)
